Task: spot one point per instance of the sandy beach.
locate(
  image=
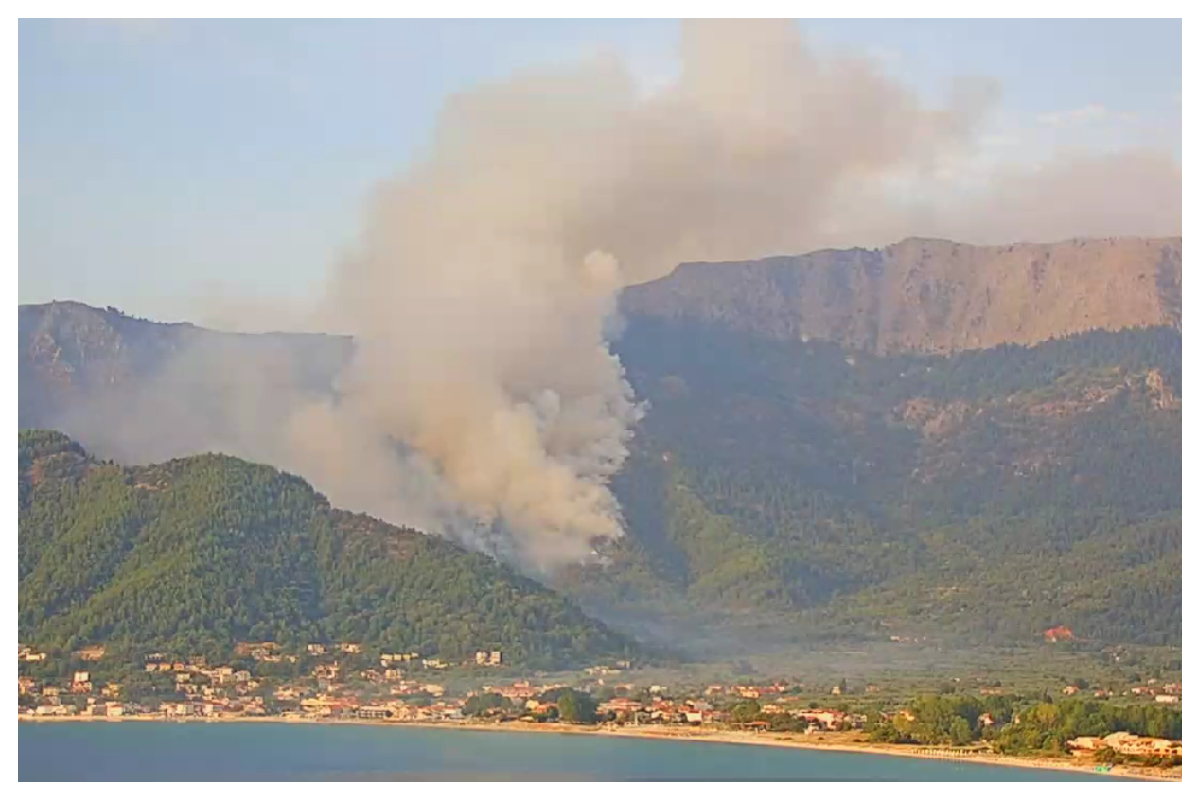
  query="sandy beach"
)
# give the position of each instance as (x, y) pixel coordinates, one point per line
(829, 742)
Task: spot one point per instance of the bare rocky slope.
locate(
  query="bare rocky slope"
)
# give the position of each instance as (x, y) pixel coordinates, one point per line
(930, 295)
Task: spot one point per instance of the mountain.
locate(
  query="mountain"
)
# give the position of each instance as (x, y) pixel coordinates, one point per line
(932, 439)
(71, 354)
(984, 497)
(199, 552)
(929, 295)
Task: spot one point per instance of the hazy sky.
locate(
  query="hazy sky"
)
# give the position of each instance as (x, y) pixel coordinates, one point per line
(164, 160)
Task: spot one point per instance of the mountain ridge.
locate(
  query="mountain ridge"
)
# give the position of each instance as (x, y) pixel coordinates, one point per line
(929, 295)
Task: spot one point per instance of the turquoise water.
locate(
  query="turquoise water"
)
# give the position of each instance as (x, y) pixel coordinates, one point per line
(162, 751)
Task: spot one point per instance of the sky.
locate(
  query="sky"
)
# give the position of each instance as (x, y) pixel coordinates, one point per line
(164, 161)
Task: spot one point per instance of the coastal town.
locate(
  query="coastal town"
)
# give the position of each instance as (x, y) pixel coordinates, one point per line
(340, 682)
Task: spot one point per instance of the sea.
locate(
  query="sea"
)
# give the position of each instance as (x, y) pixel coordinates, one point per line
(264, 751)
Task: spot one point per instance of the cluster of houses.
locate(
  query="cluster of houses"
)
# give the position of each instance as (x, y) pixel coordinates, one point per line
(1126, 744)
(201, 691)
(340, 687)
(272, 652)
(1166, 694)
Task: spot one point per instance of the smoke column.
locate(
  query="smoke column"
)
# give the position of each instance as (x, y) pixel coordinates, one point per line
(479, 293)
(482, 401)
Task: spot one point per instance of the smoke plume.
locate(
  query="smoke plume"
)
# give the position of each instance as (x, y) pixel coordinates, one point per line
(485, 275)
(482, 398)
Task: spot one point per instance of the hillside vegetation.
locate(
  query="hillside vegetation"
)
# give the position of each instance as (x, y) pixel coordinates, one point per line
(931, 439)
(200, 552)
(986, 496)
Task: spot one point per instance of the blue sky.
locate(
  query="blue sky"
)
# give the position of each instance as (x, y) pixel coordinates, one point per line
(159, 160)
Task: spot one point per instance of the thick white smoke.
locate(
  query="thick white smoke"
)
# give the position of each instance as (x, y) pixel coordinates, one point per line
(480, 292)
(482, 396)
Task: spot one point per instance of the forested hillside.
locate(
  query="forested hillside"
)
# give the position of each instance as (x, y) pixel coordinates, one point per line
(200, 552)
(985, 496)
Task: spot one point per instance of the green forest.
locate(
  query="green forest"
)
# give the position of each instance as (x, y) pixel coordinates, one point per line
(982, 497)
(195, 554)
(979, 498)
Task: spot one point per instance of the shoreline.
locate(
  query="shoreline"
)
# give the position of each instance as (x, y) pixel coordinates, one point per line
(684, 735)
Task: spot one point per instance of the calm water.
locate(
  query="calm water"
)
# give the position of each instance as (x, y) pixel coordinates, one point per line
(160, 751)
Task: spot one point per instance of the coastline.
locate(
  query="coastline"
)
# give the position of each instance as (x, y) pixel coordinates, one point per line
(766, 739)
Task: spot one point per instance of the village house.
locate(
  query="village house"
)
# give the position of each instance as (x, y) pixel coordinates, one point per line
(1070, 690)
(1127, 744)
(623, 708)
(81, 683)
(178, 709)
(388, 659)
(55, 711)
(316, 649)
(1167, 698)
(328, 672)
(602, 669)
(373, 712)
(487, 657)
(93, 653)
(288, 693)
(823, 718)
(27, 653)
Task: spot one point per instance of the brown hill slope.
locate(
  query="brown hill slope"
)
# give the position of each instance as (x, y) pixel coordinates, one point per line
(930, 295)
